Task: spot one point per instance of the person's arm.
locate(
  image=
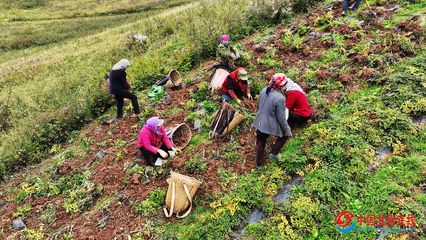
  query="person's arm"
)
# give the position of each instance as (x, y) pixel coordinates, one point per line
(166, 139)
(290, 101)
(280, 110)
(126, 84)
(235, 51)
(145, 137)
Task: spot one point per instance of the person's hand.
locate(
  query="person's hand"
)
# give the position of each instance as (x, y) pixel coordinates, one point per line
(249, 97)
(163, 154)
(233, 56)
(238, 101)
(176, 150)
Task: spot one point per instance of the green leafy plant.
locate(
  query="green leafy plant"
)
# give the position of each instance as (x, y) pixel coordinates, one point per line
(196, 164)
(202, 93)
(270, 60)
(49, 214)
(22, 211)
(154, 202)
(293, 41)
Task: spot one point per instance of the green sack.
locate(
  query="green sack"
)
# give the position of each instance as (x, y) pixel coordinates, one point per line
(157, 92)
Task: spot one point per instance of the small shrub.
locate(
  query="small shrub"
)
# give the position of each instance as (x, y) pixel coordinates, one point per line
(202, 93)
(196, 164)
(210, 107)
(269, 11)
(303, 5)
(154, 202)
(231, 157)
(292, 41)
(22, 211)
(257, 84)
(406, 92)
(270, 60)
(49, 214)
(324, 21)
(32, 234)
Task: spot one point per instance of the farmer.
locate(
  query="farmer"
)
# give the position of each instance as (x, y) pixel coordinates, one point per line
(235, 87)
(271, 118)
(120, 87)
(226, 54)
(297, 104)
(153, 141)
(346, 5)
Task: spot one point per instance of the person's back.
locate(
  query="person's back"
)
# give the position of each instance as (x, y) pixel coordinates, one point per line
(119, 87)
(270, 117)
(223, 53)
(117, 80)
(297, 102)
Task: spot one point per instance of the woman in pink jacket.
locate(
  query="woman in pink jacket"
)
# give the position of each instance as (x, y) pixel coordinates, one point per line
(153, 141)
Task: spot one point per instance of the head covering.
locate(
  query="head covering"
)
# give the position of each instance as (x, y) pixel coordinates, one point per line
(121, 65)
(153, 124)
(225, 38)
(292, 86)
(277, 82)
(243, 75)
(237, 73)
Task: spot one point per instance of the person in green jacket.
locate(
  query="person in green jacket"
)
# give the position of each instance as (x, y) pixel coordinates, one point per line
(226, 54)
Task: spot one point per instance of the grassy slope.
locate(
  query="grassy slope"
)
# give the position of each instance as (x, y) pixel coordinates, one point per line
(28, 79)
(31, 31)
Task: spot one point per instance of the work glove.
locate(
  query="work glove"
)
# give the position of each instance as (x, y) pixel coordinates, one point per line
(163, 154)
(249, 97)
(176, 150)
(233, 56)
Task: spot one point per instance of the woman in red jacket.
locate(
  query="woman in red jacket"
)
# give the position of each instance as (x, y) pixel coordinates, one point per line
(297, 104)
(153, 141)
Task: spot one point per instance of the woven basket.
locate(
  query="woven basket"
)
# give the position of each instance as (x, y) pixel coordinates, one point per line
(226, 119)
(180, 135)
(238, 118)
(175, 80)
(181, 190)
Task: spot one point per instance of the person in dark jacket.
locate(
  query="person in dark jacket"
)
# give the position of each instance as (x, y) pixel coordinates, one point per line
(120, 87)
(235, 87)
(226, 54)
(297, 104)
(346, 6)
(271, 119)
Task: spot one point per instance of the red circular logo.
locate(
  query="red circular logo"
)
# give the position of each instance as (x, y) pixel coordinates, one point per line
(344, 219)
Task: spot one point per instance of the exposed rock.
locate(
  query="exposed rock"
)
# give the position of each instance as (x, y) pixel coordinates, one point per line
(18, 224)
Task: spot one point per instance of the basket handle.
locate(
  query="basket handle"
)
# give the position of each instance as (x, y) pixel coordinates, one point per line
(190, 202)
(212, 133)
(173, 201)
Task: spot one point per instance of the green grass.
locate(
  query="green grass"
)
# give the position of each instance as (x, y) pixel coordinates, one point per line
(333, 158)
(40, 115)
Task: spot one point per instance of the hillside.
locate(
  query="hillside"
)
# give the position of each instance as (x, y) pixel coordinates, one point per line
(365, 153)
